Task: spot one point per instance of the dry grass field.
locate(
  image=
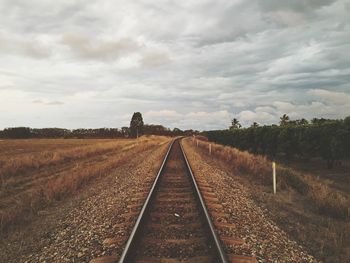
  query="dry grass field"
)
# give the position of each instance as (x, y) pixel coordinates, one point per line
(36, 172)
(337, 177)
(308, 205)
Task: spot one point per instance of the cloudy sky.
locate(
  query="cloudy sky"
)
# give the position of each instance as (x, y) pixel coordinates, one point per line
(187, 64)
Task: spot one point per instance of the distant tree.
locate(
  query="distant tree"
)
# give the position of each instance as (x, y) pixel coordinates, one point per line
(255, 125)
(288, 141)
(284, 120)
(270, 138)
(190, 132)
(317, 121)
(177, 131)
(326, 138)
(347, 121)
(17, 132)
(50, 133)
(302, 122)
(125, 131)
(235, 124)
(136, 125)
(347, 136)
(155, 129)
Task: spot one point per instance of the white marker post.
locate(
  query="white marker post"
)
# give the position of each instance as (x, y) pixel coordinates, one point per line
(197, 143)
(209, 148)
(274, 177)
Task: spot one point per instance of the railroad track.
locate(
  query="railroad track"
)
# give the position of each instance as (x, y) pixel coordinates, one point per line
(179, 220)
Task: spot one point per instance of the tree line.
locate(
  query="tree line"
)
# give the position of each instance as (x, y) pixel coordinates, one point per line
(136, 128)
(325, 138)
(124, 132)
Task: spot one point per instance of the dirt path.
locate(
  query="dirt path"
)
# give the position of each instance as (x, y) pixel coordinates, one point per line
(75, 229)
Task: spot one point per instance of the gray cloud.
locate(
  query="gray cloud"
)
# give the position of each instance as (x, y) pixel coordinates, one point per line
(155, 59)
(295, 5)
(86, 48)
(47, 102)
(40, 17)
(192, 64)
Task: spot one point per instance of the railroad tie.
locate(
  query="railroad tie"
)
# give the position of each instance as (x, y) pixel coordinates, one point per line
(215, 206)
(198, 259)
(232, 241)
(242, 259)
(208, 194)
(105, 259)
(206, 189)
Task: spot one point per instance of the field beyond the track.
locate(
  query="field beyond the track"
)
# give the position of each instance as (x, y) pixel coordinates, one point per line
(37, 172)
(311, 204)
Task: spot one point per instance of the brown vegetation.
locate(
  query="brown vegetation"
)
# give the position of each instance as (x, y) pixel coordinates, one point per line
(318, 212)
(32, 180)
(328, 201)
(13, 163)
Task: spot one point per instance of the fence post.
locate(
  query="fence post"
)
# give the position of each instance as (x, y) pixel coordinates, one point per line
(209, 148)
(274, 177)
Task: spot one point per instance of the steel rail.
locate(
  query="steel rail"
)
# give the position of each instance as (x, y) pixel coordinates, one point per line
(222, 256)
(130, 244)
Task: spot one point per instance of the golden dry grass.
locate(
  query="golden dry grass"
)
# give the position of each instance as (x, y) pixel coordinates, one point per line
(329, 201)
(14, 162)
(32, 180)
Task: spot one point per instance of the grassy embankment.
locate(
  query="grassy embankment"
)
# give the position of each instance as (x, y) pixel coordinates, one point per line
(308, 207)
(35, 173)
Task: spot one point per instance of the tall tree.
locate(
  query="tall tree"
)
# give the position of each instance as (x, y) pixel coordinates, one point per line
(235, 124)
(255, 125)
(284, 120)
(302, 122)
(136, 125)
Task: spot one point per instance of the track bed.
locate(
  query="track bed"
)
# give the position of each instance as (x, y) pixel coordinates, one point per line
(175, 227)
(181, 219)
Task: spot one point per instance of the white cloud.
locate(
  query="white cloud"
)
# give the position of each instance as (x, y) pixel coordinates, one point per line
(338, 98)
(248, 117)
(33, 48)
(284, 106)
(48, 102)
(168, 114)
(6, 83)
(196, 120)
